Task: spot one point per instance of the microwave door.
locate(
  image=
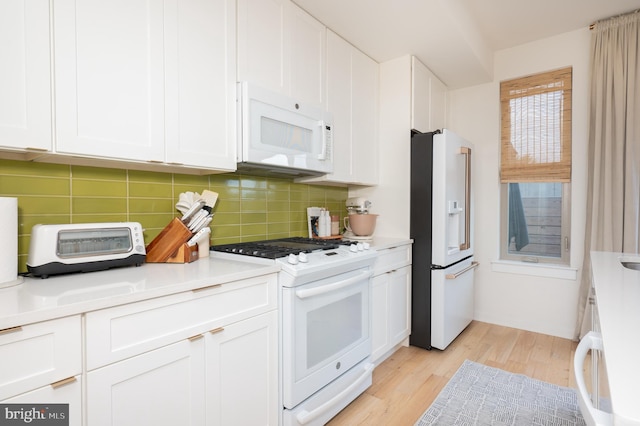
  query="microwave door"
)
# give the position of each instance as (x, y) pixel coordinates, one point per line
(280, 133)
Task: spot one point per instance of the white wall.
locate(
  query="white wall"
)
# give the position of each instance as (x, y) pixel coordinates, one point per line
(530, 302)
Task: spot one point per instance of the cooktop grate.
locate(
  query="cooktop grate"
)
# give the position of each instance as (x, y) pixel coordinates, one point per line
(273, 249)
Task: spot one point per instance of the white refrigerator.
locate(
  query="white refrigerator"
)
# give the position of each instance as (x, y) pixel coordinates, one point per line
(442, 231)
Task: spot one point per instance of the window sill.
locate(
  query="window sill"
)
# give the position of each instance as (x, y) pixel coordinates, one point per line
(546, 270)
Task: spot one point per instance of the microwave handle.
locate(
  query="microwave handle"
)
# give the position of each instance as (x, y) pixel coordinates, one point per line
(327, 142)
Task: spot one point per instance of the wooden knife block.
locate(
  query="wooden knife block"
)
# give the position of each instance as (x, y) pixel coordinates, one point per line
(184, 254)
(170, 246)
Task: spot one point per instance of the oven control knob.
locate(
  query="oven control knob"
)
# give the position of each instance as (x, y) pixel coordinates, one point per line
(360, 246)
(292, 259)
(353, 248)
(302, 257)
(366, 245)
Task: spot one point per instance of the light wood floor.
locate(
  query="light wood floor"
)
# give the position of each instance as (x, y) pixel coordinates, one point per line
(406, 383)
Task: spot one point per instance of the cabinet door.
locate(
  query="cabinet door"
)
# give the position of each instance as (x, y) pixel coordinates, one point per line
(242, 372)
(260, 43)
(200, 83)
(39, 354)
(380, 317)
(399, 305)
(25, 75)
(109, 78)
(305, 56)
(339, 104)
(164, 387)
(68, 393)
(438, 104)
(420, 96)
(364, 152)
(428, 99)
(281, 48)
(352, 99)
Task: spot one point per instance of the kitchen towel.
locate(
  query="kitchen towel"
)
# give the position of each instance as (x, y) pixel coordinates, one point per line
(9, 242)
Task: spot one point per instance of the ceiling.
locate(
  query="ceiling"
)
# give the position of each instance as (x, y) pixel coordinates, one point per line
(456, 39)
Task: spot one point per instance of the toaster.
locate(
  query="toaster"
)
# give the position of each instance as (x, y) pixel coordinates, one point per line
(86, 247)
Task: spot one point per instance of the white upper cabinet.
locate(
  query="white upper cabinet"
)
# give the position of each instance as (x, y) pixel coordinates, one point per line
(260, 43)
(352, 100)
(438, 104)
(146, 81)
(428, 99)
(364, 118)
(25, 75)
(306, 58)
(281, 48)
(201, 83)
(339, 100)
(109, 78)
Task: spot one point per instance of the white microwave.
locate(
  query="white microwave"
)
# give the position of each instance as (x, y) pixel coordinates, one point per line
(278, 135)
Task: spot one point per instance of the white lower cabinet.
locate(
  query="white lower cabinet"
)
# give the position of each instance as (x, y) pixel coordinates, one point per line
(41, 363)
(39, 354)
(391, 317)
(162, 387)
(242, 373)
(206, 357)
(227, 376)
(67, 391)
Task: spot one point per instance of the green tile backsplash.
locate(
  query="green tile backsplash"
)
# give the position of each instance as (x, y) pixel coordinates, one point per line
(248, 208)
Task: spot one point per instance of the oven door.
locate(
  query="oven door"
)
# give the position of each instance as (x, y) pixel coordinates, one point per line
(326, 331)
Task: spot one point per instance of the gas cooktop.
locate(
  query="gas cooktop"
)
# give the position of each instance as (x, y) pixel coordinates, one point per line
(274, 249)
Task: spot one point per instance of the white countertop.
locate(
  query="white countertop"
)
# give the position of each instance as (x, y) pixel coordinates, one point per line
(39, 299)
(381, 243)
(618, 299)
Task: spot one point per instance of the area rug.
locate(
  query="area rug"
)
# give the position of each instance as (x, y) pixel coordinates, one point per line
(482, 395)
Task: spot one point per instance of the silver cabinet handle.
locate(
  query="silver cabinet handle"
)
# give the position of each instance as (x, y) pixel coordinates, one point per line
(457, 274)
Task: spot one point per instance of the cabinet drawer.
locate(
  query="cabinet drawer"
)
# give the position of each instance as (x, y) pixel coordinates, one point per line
(392, 258)
(39, 354)
(117, 333)
(67, 393)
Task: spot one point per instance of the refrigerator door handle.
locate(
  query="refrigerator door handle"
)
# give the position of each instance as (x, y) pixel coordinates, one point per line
(457, 274)
(466, 151)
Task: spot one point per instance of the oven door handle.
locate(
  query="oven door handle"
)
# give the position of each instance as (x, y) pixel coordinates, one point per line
(323, 289)
(305, 416)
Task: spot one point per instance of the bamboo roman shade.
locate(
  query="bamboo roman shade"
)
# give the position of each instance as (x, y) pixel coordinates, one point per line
(536, 128)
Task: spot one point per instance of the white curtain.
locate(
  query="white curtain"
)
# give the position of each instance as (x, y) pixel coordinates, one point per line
(613, 201)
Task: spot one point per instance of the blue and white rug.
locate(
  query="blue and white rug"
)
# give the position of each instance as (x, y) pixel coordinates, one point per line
(482, 395)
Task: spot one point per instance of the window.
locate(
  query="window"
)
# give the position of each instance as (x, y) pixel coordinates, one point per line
(535, 167)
